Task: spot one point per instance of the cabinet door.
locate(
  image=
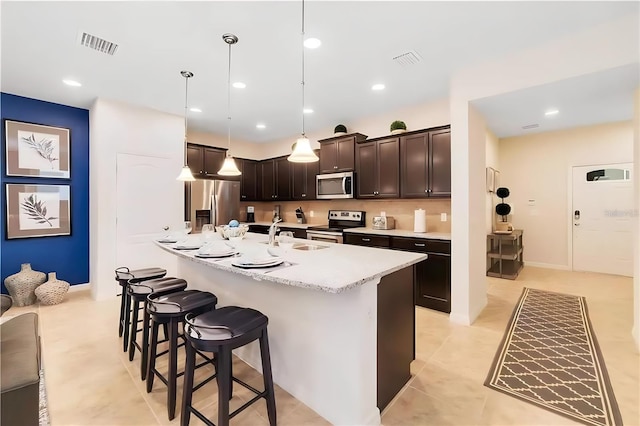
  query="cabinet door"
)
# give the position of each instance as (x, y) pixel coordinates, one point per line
(282, 179)
(345, 157)
(433, 283)
(440, 164)
(213, 159)
(248, 185)
(388, 168)
(367, 240)
(194, 159)
(267, 175)
(367, 169)
(299, 181)
(414, 165)
(328, 157)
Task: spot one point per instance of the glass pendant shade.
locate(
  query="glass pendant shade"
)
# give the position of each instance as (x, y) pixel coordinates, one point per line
(186, 175)
(302, 153)
(229, 168)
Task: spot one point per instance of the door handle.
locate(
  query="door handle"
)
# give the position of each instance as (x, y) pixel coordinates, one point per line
(366, 240)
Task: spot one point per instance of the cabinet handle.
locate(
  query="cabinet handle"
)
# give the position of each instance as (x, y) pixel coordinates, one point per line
(304, 195)
(244, 196)
(418, 244)
(366, 240)
(335, 167)
(426, 190)
(429, 190)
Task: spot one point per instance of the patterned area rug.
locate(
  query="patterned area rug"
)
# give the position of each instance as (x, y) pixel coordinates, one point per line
(43, 413)
(549, 357)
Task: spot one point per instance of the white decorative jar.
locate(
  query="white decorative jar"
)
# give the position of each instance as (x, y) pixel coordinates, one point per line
(22, 285)
(52, 292)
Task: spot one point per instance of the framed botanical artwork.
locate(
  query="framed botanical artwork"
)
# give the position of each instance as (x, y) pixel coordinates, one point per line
(36, 150)
(496, 180)
(38, 210)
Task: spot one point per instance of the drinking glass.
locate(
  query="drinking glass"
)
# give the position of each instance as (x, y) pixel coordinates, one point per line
(208, 231)
(285, 241)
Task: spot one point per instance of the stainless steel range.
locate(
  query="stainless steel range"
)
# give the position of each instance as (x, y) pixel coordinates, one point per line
(338, 220)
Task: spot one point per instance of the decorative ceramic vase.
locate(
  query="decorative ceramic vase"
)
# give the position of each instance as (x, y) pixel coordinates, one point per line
(52, 292)
(21, 286)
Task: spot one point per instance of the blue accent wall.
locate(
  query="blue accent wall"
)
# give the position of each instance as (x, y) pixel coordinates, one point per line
(68, 256)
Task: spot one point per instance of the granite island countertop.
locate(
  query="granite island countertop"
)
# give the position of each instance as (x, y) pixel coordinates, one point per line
(401, 233)
(334, 268)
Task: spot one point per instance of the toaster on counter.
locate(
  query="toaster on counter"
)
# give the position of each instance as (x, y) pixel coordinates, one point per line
(384, 222)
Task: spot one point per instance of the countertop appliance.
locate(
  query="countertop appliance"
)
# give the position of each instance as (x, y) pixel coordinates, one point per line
(212, 201)
(335, 186)
(384, 222)
(338, 220)
(276, 214)
(251, 214)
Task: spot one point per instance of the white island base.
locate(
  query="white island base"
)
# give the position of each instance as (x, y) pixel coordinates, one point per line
(325, 348)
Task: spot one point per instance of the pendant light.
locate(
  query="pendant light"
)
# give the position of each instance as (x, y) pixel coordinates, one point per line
(302, 152)
(185, 173)
(229, 167)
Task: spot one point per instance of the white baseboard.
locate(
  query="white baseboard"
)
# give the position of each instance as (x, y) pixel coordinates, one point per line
(79, 287)
(547, 266)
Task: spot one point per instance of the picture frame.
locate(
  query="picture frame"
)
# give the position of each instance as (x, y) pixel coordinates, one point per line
(490, 179)
(37, 210)
(37, 150)
(496, 180)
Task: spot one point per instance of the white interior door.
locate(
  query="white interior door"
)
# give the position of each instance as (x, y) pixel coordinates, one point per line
(603, 217)
(148, 199)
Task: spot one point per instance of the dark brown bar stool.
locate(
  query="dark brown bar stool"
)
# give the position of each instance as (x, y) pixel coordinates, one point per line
(138, 293)
(171, 309)
(220, 332)
(123, 276)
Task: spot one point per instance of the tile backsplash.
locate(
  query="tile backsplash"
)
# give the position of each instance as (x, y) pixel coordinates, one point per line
(401, 210)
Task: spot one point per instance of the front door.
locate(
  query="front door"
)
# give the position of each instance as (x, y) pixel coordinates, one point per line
(602, 217)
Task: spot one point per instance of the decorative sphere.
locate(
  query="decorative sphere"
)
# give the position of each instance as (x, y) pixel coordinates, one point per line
(503, 209)
(234, 224)
(502, 192)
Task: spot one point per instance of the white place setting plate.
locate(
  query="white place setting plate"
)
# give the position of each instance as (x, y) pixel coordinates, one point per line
(217, 254)
(167, 240)
(257, 263)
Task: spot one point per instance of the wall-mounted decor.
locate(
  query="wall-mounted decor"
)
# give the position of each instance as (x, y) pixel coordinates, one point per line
(36, 150)
(491, 176)
(496, 180)
(38, 210)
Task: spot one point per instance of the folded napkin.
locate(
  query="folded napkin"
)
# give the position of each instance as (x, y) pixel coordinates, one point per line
(188, 245)
(215, 249)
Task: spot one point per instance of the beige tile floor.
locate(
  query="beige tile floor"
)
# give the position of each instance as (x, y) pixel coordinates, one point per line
(91, 382)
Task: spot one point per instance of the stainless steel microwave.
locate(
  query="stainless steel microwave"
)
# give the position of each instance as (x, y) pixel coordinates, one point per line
(335, 185)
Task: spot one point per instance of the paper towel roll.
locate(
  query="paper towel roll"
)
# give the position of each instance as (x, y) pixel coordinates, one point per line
(419, 221)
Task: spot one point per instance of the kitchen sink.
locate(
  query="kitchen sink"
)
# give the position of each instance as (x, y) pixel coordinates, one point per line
(302, 246)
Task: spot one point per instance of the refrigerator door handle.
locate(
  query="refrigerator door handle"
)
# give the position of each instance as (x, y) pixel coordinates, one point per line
(214, 209)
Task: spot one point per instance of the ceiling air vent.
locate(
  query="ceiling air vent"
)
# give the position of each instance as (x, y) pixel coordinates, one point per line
(97, 43)
(530, 126)
(408, 58)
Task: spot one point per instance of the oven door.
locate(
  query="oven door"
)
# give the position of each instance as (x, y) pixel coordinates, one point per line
(328, 237)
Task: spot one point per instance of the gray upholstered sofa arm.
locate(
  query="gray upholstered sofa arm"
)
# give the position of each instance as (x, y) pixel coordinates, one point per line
(20, 370)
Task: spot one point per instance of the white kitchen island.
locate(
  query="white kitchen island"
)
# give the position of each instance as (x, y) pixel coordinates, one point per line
(341, 321)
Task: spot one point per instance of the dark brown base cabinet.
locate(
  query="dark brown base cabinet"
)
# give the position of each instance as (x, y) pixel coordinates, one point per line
(432, 284)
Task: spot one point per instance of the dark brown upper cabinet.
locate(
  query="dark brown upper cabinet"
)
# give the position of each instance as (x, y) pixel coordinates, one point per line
(248, 179)
(303, 180)
(205, 161)
(425, 164)
(378, 168)
(276, 179)
(337, 153)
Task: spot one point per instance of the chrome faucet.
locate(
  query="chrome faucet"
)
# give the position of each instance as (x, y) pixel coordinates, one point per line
(272, 232)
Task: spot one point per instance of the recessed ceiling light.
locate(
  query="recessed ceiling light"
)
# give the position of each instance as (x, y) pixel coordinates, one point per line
(312, 43)
(307, 111)
(551, 112)
(72, 83)
(260, 126)
(378, 86)
(195, 110)
(239, 85)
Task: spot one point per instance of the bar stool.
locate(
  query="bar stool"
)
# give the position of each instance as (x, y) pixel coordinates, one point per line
(220, 332)
(138, 293)
(123, 276)
(171, 309)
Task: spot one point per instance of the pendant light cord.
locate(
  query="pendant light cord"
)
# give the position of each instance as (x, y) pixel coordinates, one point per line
(229, 107)
(186, 104)
(302, 44)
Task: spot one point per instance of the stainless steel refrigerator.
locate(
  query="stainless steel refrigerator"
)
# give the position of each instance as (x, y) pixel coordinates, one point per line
(212, 201)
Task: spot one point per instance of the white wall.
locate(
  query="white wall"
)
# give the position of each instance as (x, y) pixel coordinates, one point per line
(116, 128)
(636, 242)
(537, 167)
(610, 45)
(492, 160)
(417, 117)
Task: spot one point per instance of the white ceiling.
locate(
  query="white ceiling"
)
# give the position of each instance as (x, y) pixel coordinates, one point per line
(359, 39)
